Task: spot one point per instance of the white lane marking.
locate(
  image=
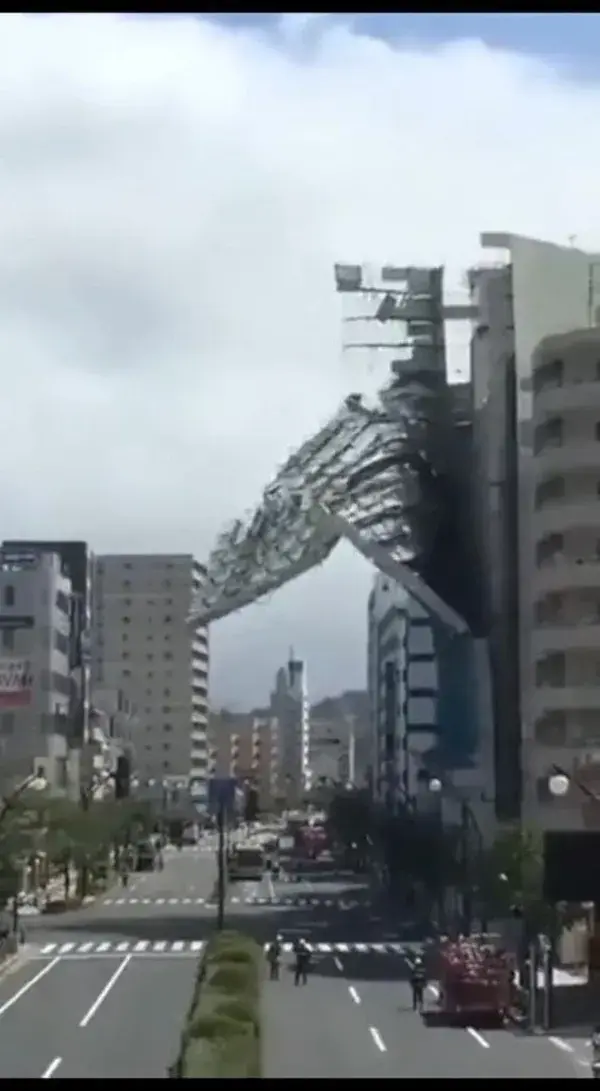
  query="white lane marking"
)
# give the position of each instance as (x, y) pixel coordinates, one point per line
(178, 945)
(197, 945)
(29, 985)
(379, 1042)
(160, 945)
(120, 901)
(478, 1037)
(173, 901)
(354, 994)
(103, 947)
(51, 1069)
(560, 1044)
(85, 947)
(361, 947)
(142, 944)
(112, 981)
(338, 964)
(122, 947)
(133, 901)
(160, 901)
(343, 947)
(65, 948)
(186, 901)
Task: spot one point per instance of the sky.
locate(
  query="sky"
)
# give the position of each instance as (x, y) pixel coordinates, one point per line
(174, 193)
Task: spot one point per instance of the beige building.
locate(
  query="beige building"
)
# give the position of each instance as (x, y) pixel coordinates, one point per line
(566, 529)
(142, 644)
(246, 747)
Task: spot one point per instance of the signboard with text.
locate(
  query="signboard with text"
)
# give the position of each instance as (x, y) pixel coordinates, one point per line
(15, 683)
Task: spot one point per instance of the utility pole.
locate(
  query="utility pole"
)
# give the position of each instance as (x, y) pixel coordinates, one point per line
(222, 866)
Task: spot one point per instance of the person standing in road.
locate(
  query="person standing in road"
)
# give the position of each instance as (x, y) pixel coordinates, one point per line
(418, 981)
(274, 958)
(302, 953)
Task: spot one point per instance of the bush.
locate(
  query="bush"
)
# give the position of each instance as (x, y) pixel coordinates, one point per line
(221, 1037)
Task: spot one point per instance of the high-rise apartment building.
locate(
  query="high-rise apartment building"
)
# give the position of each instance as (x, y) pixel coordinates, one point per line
(521, 424)
(143, 645)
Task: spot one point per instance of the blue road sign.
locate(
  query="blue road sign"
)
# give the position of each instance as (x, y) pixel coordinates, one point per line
(221, 794)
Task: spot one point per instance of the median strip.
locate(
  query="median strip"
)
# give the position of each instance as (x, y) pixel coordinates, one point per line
(221, 1036)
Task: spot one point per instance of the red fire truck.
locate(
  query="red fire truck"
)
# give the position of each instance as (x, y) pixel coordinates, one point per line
(475, 977)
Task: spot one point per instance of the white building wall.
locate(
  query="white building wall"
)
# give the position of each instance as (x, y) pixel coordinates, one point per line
(142, 644)
(553, 289)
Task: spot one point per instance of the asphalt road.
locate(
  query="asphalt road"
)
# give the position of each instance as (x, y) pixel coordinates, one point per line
(355, 1018)
(102, 993)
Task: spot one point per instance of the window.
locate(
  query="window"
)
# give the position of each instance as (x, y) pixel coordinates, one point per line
(166, 693)
(167, 583)
(126, 620)
(126, 585)
(124, 637)
(166, 746)
(127, 602)
(150, 674)
(126, 673)
(9, 595)
(61, 642)
(168, 655)
(166, 765)
(548, 548)
(124, 655)
(150, 636)
(548, 434)
(62, 602)
(127, 565)
(8, 640)
(167, 618)
(167, 727)
(150, 657)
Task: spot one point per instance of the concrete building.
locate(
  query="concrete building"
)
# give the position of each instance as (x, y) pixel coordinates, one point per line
(38, 706)
(290, 707)
(403, 691)
(247, 747)
(565, 649)
(540, 290)
(333, 750)
(143, 645)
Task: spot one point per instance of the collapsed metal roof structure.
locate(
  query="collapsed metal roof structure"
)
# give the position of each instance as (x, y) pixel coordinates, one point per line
(375, 474)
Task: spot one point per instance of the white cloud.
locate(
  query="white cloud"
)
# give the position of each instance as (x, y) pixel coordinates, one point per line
(173, 196)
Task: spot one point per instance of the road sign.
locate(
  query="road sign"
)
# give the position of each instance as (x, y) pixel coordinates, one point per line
(221, 794)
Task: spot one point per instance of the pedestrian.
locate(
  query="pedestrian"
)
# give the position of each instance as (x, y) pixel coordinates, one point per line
(302, 962)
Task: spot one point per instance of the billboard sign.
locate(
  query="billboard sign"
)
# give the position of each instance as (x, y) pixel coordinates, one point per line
(15, 683)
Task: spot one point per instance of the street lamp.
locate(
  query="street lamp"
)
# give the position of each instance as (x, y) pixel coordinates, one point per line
(559, 784)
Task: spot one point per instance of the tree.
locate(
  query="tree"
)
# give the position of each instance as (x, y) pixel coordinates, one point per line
(511, 878)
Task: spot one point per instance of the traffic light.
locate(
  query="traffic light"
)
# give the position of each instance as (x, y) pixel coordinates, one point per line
(122, 777)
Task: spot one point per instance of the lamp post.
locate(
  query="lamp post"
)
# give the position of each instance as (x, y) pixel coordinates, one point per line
(468, 822)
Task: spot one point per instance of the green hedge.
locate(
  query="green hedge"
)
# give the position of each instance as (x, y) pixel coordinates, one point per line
(221, 1036)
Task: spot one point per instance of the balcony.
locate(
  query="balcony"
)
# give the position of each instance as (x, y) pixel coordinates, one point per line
(560, 458)
(552, 401)
(562, 637)
(563, 574)
(563, 515)
(565, 698)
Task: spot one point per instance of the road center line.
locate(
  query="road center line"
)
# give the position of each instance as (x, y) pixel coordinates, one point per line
(89, 1015)
(379, 1042)
(354, 994)
(51, 1069)
(29, 985)
(338, 964)
(478, 1037)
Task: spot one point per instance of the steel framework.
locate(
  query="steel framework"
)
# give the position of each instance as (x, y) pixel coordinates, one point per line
(373, 475)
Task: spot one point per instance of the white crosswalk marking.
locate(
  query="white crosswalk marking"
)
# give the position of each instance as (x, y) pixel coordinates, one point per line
(118, 948)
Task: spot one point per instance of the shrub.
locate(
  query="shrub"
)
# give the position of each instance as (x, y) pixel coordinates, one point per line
(221, 1037)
